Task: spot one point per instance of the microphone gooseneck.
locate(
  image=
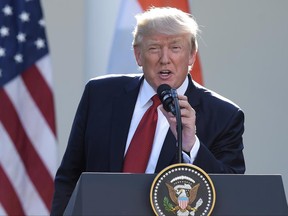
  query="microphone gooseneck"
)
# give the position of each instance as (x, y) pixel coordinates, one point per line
(169, 99)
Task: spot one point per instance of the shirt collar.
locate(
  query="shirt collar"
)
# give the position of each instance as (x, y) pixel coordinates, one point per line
(147, 92)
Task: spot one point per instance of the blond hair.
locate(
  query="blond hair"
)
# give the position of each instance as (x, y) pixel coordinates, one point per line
(165, 20)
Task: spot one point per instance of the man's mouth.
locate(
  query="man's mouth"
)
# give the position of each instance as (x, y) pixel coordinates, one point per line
(165, 72)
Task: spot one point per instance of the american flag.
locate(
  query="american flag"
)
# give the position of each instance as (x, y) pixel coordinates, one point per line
(28, 145)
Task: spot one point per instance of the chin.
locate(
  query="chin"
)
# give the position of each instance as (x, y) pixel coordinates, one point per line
(171, 84)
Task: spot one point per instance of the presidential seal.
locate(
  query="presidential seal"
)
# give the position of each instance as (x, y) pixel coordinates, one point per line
(182, 190)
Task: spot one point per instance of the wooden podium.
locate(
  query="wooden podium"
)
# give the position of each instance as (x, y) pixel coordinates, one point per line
(129, 194)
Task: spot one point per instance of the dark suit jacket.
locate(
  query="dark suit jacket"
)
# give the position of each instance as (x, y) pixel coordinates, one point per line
(99, 132)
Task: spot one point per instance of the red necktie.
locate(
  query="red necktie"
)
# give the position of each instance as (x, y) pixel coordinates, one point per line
(138, 153)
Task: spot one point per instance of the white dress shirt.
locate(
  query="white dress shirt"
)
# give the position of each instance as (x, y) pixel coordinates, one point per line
(142, 104)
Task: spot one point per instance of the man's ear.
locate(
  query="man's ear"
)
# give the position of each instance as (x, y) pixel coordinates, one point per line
(137, 54)
(192, 57)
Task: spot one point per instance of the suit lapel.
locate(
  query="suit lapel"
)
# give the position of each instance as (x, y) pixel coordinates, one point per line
(192, 93)
(194, 97)
(121, 119)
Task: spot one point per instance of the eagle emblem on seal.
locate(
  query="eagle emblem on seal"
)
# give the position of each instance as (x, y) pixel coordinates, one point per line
(183, 196)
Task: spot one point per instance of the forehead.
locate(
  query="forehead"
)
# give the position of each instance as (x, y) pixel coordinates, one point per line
(162, 39)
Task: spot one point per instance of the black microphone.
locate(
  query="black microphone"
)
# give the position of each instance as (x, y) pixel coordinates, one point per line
(165, 95)
(168, 97)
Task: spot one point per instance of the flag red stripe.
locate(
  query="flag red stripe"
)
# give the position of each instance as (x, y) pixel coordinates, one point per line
(197, 71)
(37, 171)
(180, 4)
(41, 94)
(8, 196)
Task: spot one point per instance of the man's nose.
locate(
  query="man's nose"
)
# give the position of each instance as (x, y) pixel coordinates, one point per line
(165, 59)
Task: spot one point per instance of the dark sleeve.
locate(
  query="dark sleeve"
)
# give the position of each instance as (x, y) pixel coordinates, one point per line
(72, 164)
(224, 153)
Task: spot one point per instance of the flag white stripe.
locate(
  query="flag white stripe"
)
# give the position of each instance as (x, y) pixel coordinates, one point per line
(44, 141)
(15, 171)
(121, 56)
(2, 210)
(126, 19)
(44, 66)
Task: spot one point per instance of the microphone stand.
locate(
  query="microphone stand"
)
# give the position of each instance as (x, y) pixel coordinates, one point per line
(179, 125)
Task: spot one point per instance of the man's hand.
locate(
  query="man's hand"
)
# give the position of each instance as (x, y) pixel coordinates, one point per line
(188, 117)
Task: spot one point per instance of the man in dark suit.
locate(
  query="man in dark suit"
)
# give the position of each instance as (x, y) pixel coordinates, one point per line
(112, 106)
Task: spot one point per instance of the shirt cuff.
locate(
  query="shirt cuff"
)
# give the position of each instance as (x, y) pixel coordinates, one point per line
(193, 153)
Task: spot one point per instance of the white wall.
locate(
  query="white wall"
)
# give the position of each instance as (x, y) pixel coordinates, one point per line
(244, 54)
(65, 32)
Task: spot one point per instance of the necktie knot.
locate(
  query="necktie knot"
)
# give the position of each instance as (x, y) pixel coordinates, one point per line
(156, 101)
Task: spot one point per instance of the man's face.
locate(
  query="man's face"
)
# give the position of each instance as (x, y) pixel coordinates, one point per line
(164, 59)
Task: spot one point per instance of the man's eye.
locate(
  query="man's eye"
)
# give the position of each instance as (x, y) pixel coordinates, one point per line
(153, 49)
(176, 48)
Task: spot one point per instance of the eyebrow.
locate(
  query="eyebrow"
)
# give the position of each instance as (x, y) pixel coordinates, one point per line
(156, 42)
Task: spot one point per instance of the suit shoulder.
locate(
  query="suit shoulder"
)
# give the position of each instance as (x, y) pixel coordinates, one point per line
(210, 96)
(113, 80)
